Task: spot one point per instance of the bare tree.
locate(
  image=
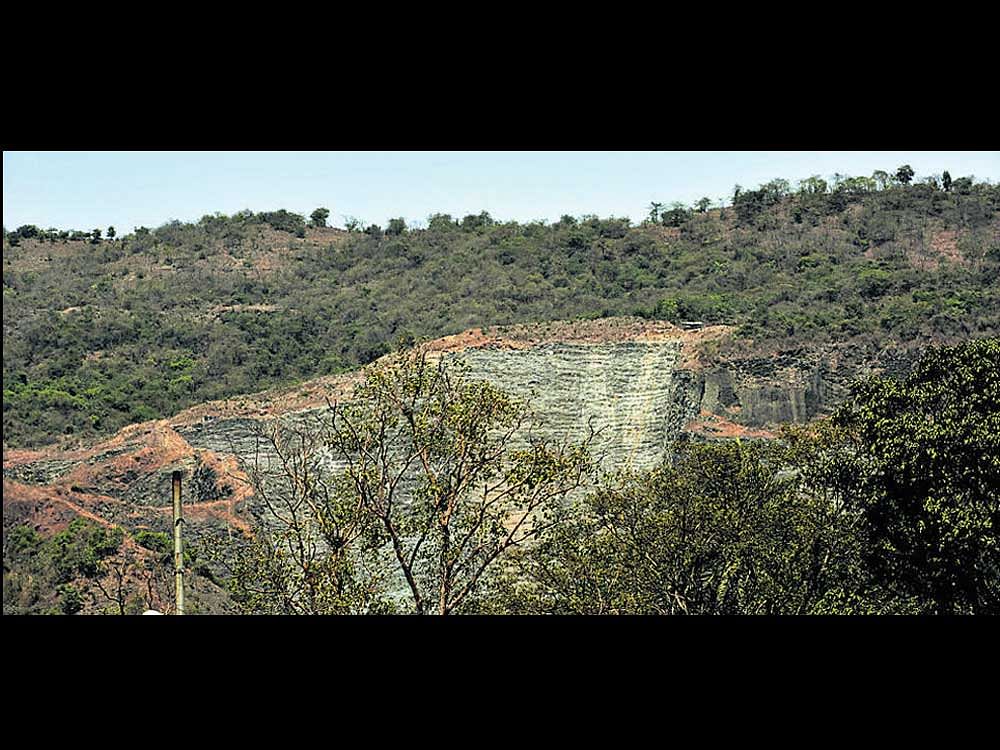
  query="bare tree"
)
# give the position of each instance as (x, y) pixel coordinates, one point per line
(132, 579)
(311, 553)
(423, 474)
(452, 471)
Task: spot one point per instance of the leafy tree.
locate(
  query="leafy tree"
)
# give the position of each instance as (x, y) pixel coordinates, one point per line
(441, 223)
(433, 476)
(319, 217)
(96, 235)
(721, 531)
(654, 212)
(963, 185)
(921, 461)
(111, 233)
(703, 205)
(882, 179)
(284, 221)
(317, 552)
(946, 181)
(396, 227)
(478, 221)
(676, 216)
(70, 599)
(904, 175)
(814, 185)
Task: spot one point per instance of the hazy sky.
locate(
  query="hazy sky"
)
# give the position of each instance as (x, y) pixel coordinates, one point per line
(86, 190)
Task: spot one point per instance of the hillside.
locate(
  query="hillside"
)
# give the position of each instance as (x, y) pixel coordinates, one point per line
(641, 384)
(100, 334)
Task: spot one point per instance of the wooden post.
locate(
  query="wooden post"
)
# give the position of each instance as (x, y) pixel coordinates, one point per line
(178, 552)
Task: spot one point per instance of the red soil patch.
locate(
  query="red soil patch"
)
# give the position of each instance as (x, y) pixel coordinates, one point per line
(714, 426)
(157, 448)
(48, 505)
(605, 331)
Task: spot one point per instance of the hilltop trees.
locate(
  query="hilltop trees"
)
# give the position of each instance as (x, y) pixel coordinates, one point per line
(904, 175)
(676, 216)
(319, 217)
(284, 221)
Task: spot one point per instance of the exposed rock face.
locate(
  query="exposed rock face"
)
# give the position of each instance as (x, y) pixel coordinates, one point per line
(627, 391)
(641, 384)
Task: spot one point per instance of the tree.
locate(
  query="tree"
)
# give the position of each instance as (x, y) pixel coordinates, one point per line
(315, 553)
(720, 531)
(475, 494)
(814, 185)
(676, 216)
(441, 223)
(920, 460)
(904, 175)
(703, 205)
(882, 179)
(284, 221)
(946, 181)
(654, 212)
(96, 235)
(396, 226)
(443, 476)
(111, 233)
(478, 221)
(319, 217)
(963, 185)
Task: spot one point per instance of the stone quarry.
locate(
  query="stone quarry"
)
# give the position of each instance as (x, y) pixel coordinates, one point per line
(639, 384)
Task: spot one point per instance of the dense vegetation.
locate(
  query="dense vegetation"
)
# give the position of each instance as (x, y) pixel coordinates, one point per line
(893, 506)
(99, 333)
(89, 568)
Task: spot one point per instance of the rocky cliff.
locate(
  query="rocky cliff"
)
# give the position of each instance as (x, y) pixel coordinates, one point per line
(640, 384)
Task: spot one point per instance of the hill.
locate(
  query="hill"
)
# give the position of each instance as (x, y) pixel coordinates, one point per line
(103, 333)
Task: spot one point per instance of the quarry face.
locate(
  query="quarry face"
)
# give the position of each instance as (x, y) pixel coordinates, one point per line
(628, 392)
(638, 384)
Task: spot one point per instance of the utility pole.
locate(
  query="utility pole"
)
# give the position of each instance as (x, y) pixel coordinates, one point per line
(178, 552)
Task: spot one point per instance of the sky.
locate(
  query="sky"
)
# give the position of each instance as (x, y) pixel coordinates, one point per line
(125, 189)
